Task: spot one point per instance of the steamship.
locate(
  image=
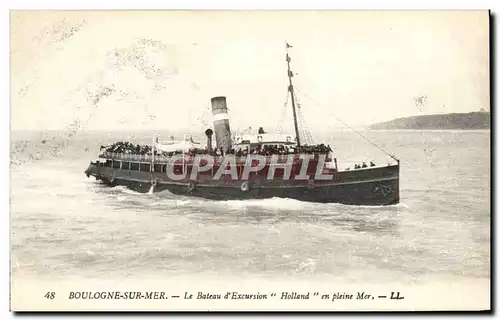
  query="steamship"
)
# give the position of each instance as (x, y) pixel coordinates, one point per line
(252, 166)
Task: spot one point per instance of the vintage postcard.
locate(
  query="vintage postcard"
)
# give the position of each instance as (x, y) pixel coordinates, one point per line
(250, 160)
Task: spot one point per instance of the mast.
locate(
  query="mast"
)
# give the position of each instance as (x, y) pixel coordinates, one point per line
(290, 89)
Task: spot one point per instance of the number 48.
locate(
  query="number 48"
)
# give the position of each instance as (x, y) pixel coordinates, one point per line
(50, 295)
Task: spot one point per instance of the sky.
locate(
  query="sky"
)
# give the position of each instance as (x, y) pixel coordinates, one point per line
(133, 70)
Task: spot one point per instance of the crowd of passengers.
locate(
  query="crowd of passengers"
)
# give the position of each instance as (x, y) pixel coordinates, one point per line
(267, 150)
(127, 148)
(357, 166)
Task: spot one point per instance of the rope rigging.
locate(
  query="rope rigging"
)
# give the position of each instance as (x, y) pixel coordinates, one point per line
(355, 131)
(283, 114)
(305, 134)
(304, 131)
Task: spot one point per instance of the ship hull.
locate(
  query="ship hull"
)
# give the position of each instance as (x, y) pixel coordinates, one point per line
(370, 186)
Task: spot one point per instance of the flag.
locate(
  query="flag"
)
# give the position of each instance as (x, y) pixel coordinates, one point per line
(288, 46)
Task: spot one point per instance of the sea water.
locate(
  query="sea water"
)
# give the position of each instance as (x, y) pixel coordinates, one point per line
(65, 225)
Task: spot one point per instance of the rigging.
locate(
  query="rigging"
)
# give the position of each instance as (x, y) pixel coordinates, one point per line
(355, 131)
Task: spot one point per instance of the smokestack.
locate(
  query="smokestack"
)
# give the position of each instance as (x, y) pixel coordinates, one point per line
(209, 134)
(221, 123)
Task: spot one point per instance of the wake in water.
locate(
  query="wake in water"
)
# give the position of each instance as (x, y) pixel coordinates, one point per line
(274, 203)
(118, 190)
(270, 212)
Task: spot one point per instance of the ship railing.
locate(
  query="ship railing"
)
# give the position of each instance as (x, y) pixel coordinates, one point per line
(187, 158)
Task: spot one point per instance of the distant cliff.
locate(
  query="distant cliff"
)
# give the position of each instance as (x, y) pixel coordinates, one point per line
(474, 120)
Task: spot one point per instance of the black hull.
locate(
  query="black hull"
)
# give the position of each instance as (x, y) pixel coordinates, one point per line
(371, 186)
